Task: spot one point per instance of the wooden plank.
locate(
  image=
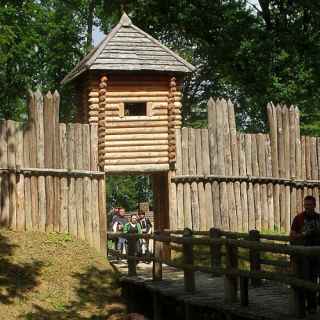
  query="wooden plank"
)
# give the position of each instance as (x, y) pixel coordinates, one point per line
(221, 165)
(280, 140)
(39, 127)
(79, 185)
(250, 191)
(261, 146)
(87, 216)
(243, 185)
(71, 145)
(195, 213)
(20, 179)
(180, 214)
(173, 215)
(201, 191)
(185, 171)
(256, 186)
(102, 215)
(286, 134)
(293, 163)
(273, 123)
(95, 214)
(235, 164)
(298, 160)
(94, 162)
(308, 157)
(64, 218)
(27, 179)
(208, 218)
(11, 132)
(229, 116)
(314, 167)
(270, 189)
(48, 127)
(56, 161)
(212, 133)
(4, 208)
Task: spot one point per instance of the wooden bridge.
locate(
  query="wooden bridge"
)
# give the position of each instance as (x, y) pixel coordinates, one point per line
(217, 275)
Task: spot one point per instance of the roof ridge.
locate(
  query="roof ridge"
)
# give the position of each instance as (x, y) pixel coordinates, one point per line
(183, 61)
(125, 22)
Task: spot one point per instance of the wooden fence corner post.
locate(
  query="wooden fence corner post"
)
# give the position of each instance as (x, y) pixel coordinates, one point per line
(189, 278)
(297, 301)
(157, 264)
(132, 249)
(254, 256)
(230, 281)
(215, 248)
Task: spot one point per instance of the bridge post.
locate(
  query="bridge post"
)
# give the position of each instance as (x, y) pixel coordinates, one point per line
(215, 249)
(132, 248)
(254, 256)
(157, 265)
(297, 299)
(189, 279)
(157, 306)
(230, 281)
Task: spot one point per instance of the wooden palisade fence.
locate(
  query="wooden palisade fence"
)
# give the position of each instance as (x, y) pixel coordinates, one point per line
(49, 176)
(238, 181)
(224, 260)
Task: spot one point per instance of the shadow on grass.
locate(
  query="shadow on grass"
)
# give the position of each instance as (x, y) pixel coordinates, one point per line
(97, 298)
(15, 279)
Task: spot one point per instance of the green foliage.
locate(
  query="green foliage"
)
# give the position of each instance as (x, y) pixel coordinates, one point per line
(128, 191)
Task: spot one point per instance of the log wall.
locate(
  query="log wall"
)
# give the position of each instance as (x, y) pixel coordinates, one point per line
(135, 143)
(238, 181)
(49, 179)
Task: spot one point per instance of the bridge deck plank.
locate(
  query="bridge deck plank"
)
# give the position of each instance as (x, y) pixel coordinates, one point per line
(268, 302)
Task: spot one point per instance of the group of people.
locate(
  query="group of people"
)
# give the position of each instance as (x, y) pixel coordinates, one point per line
(138, 224)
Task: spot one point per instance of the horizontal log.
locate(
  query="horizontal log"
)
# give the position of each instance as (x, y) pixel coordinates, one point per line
(137, 130)
(137, 118)
(50, 172)
(258, 246)
(94, 107)
(146, 168)
(162, 160)
(94, 93)
(234, 235)
(136, 99)
(138, 94)
(136, 143)
(94, 100)
(135, 155)
(160, 136)
(253, 179)
(137, 148)
(137, 124)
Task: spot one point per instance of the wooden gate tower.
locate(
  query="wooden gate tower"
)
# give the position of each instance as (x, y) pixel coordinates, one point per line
(130, 85)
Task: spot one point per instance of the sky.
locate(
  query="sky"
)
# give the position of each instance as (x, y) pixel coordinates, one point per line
(98, 35)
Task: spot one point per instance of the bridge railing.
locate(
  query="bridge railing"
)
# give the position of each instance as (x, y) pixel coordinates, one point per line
(239, 257)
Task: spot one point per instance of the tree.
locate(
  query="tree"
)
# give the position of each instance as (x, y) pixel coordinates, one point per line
(242, 52)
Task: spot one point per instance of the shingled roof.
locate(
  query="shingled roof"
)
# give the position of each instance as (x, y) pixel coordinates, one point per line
(128, 48)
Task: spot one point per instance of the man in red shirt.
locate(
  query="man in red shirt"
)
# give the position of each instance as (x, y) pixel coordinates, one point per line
(305, 230)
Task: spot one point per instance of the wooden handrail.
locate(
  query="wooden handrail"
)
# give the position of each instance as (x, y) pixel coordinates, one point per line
(226, 244)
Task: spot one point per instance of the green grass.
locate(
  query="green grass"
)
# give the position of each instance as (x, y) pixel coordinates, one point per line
(55, 277)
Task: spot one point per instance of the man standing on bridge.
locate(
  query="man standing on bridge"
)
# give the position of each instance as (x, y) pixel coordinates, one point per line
(305, 230)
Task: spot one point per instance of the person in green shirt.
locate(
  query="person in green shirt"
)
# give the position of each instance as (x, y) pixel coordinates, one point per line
(132, 226)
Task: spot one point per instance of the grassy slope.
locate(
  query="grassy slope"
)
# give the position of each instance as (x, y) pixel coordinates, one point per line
(55, 277)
